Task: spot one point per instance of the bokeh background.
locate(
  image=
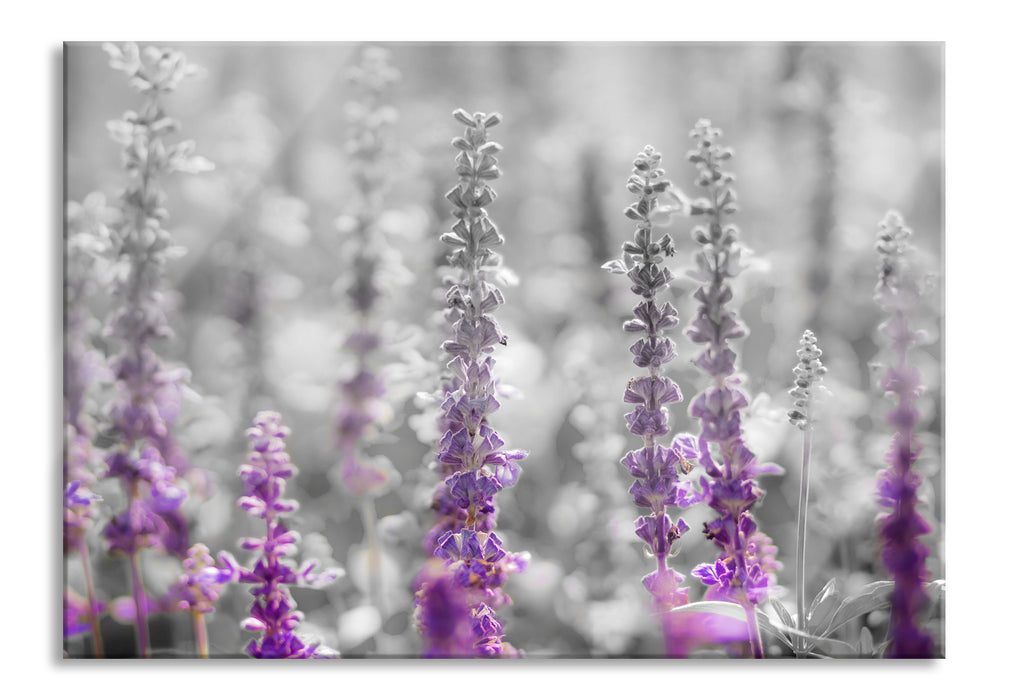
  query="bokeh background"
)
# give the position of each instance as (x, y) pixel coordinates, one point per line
(828, 137)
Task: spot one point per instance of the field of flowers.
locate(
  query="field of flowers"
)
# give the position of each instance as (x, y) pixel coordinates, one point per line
(503, 350)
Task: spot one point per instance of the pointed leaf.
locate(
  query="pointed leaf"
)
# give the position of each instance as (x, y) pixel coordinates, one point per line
(617, 267)
(865, 642)
(784, 616)
(820, 616)
(873, 596)
(833, 647)
(827, 589)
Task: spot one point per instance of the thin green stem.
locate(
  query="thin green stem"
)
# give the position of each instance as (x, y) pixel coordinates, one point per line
(96, 630)
(756, 645)
(200, 631)
(800, 549)
(143, 646)
(370, 520)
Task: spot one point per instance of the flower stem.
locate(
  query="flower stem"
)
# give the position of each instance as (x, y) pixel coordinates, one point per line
(756, 645)
(143, 647)
(800, 549)
(200, 630)
(375, 589)
(675, 646)
(96, 630)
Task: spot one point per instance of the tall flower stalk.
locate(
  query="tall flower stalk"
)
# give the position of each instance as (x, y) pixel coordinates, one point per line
(147, 459)
(808, 372)
(471, 458)
(745, 569)
(900, 525)
(83, 366)
(273, 614)
(360, 410)
(654, 467)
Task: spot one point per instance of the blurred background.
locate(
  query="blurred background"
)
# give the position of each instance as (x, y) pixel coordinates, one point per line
(828, 137)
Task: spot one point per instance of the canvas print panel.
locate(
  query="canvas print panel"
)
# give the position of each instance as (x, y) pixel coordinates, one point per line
(503, 350)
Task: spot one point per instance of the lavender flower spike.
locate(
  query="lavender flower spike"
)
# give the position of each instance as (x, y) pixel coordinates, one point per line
(901, 527)
(147, 459)
(361, 407)
(273, 614)
(197, 593)
(88, 237)
(471, 457)
(808, 373)
(744, 571)
(654, 467)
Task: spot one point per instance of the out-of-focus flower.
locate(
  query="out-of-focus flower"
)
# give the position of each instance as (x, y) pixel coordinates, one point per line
(900, 525)
(149, 394)
(443, 613)
(193, 591)
(147, 460)
(77, 613)
(362, 408)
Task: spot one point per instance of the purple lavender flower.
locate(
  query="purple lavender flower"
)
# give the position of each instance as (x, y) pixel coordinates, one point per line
(744, 572)
(79, 614)
(196, 592)
(78, 510)
(363, 409)
(273, 613)
(443, 613)
(147, 460)
(900, 525)
(471, 457)
(654, 467)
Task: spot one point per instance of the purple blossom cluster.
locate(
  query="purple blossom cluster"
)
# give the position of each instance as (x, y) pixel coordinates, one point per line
(152, 518)
(196, 591)
(744, 572)
(444, 616)
(901, 525)
(654, 467)
(79, 458)
(472, 459)
(273, 614)
(193, 591)
(80, 614)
